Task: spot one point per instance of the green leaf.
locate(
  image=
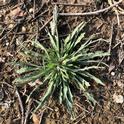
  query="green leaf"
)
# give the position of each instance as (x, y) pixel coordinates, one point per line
(22, 64)
(60, 95)
(87, 62)
(54, 43)
(31, 77)
(97, 80)
(90, 98)
(83, 82)
(70, 96)
(79, 84)
(69, 42)
(48, 93)
(88, 68)
(90, 55)
(75, 31)
(27, 78)
(26, 69)
(79, 39)
(68, 101)
(39, 45)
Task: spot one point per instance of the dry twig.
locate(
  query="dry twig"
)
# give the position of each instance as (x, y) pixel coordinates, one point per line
(91, 13)
(69, 4)
(28, 111)
(21, 106)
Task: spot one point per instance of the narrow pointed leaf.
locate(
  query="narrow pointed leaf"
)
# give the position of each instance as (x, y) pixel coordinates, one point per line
(39, 45)
(97, 80)
(26, 69)
(48, 93)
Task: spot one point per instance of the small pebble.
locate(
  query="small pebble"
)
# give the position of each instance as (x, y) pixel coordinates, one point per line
(118, 98)
(10, 26)
(112, 73)
(23, 29)
(2, 59)
(7, 43)
(31, 10)
(120, 84)
(4, 1)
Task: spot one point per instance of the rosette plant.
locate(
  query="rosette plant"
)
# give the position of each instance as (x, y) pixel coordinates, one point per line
(65, 64)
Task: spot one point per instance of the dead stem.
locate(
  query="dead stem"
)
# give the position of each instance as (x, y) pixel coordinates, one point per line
(90, 13)
(21, 106)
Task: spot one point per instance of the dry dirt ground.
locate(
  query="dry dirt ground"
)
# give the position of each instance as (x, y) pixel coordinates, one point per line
(22, 20)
